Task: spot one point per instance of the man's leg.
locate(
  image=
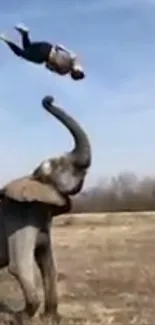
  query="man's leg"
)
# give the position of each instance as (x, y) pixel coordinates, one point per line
(36, 52)
(15, 49)
(24, 32)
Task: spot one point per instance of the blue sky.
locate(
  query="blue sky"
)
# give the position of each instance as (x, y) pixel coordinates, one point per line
(115, 103)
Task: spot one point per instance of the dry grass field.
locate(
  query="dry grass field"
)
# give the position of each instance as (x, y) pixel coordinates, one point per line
(107, 270)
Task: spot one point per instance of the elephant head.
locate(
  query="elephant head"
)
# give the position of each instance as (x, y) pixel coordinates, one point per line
(54, 180)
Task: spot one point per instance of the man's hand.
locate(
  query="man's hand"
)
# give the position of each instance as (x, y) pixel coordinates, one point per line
(49, 66)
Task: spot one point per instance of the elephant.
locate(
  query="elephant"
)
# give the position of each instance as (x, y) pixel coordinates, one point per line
(27, 207)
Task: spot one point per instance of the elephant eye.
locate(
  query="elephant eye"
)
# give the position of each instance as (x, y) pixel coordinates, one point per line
(78, 166)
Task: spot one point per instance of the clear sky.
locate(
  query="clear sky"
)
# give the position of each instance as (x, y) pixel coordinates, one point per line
(115, 103)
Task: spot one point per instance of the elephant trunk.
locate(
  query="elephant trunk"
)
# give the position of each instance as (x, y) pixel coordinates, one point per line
(81, 154)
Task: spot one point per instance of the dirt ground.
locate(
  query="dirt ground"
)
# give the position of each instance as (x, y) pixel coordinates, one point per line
(107, 270)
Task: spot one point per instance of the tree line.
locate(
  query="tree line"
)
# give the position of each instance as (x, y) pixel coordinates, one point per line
(126, 192)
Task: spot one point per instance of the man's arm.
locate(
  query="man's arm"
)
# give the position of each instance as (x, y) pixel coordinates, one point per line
(63, 48)
(49, 66)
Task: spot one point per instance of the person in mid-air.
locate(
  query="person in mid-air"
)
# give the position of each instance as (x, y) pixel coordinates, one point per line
(55, 57)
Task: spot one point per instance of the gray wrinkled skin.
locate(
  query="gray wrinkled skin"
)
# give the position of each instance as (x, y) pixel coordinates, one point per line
(67, 172)
(27, 207)
(26, 238)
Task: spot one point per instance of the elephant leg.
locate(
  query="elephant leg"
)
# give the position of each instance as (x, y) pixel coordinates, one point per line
(46, 263)
(22, 233)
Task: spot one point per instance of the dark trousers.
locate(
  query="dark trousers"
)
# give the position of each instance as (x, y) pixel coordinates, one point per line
(37, 52)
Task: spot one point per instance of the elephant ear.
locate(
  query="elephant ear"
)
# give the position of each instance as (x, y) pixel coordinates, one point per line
(27, 189)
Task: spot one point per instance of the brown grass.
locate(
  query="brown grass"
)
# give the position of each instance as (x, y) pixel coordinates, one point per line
(107, 271)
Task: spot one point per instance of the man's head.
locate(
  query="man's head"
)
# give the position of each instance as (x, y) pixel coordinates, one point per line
(77, 72)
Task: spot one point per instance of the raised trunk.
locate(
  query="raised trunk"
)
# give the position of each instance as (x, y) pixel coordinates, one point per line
(82, 152)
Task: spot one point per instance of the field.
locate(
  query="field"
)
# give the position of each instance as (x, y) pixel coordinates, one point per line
(106, 269)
